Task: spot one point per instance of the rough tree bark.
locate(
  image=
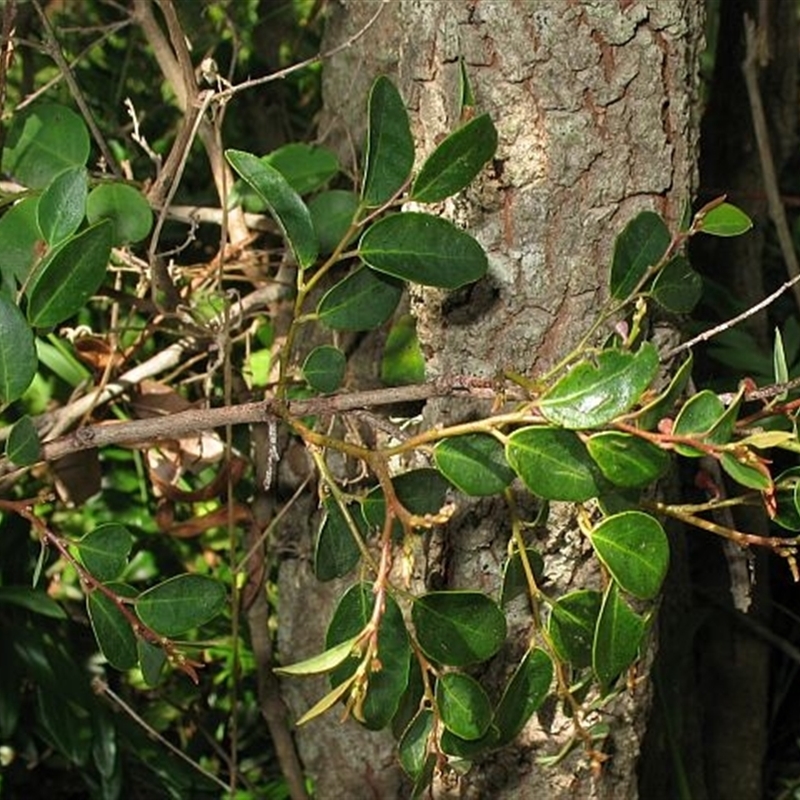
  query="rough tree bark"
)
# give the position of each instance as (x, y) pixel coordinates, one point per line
(594, 103)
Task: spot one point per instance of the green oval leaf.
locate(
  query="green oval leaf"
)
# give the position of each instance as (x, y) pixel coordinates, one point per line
(104, 551)
(68, 276)
(635, 550)
(22, 447)
(641, 245)
(332, 214)
(412, 749)
(787, 496)
(336, 552)
(389, 152)
(698, 417)
(420, 492)
(464, 707)
(324, 368)
(62, 205)
(456, 161)
(283, 202)
(677, 287)
(595, 392)
(554, 464)
(741, 466)
(18, 360)
(402, 362)
(112, 630)
(306, 167)
(125, 207)
(423, 249)
(572, 623)
(474, 463)
(458, 628)
(515, 581)
(618, 637)
(724, 220)
(627, 460)
(20, 238)
(388, 680)
(43, 141)
(363, 300)
(181, 603)
(524, 694)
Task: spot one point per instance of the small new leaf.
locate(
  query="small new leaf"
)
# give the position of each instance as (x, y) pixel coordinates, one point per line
(323, 662)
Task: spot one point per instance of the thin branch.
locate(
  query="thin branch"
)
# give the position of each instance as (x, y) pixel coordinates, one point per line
(776, 210)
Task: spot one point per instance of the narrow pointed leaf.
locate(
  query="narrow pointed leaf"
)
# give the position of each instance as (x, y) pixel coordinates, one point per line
(742, 468)
(572, 624)
(641, 245)
(324, 368)
(62, 205)
(593, 393)
(464, 706)
(18, 360)
(68, 276)
(458, 628)
(283, 202)
(363, 300)
(456, 161)
(104, 551)
(618, 637)
(23, 447)
(323, 662)
(663, 405)
(389, 153)
(634, 549)
(627, 460)
(725, 220)
(327, 702)
(524, 694)
(402, 362)
(779, 366)
(423, 249)
(475, 463)
(112, 630)
(181, 603)
(554, 464)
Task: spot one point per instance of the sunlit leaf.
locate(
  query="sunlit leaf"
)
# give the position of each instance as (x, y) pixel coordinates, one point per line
(724, 220)
(463, 704)
(423, 249)
(323, 662)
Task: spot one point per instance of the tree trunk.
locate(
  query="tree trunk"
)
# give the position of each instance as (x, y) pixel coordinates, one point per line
(594, 103)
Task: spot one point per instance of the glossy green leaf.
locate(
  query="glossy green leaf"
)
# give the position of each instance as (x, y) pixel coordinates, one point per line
(322, 662)
(456, 161)
(43, 141)
(420, 491)
(324, 368)
(35, 600)
(515, 581)
(23, 447)
(20, 239)
(363, 300)
(62, 205)
(412, 749)
(572, 624)
(68, 276)
(619, 635)
(677, 287)
(742, 469)
(422, 784)
(306, 167)
(464, 706)
(554, 464)
(336, 552)
(389, 151)
(283, 202)
(17, 352)
(787, 497)
(388, 680)
(700, 414)
(125, 207)
(640, 246)
(402, 362)
(635, 550)
(474, 463)
(104, 551)
(152, 660)
(181, 603)
(113, 631)
(458, 628)
(627, 460)
(524, 694)
(595, 392)
(724, 220)
(423, 249)
(332, 214)
(663, 405)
